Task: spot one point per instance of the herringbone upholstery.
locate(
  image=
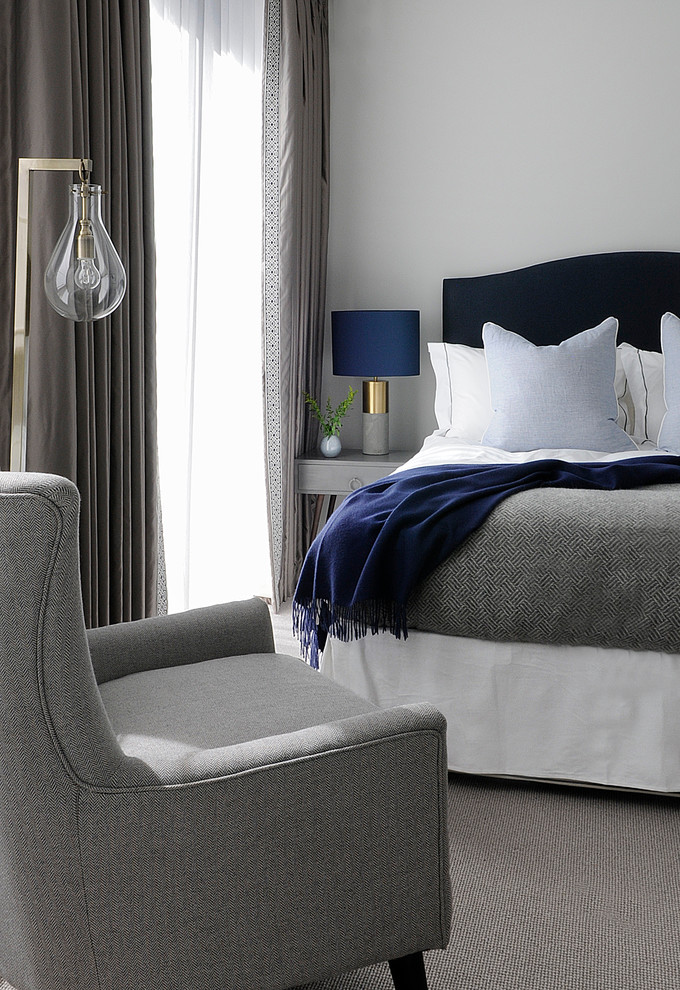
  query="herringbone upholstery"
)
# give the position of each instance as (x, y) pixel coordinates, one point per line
(201, 813)
(559, 565)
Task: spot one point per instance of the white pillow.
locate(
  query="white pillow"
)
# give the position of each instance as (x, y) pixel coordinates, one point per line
(462, 403)
(644, 372)
(554, 396)
(462, 399)
(669, 435)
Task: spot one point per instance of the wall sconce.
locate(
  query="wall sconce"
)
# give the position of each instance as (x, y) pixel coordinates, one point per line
(368, 343)
(84, 280)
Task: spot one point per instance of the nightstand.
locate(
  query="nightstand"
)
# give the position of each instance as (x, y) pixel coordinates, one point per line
(333, 476)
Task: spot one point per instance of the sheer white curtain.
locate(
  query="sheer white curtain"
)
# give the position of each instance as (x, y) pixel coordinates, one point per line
(207, 121)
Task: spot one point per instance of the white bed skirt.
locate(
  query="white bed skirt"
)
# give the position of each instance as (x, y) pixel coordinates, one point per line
(564, 713)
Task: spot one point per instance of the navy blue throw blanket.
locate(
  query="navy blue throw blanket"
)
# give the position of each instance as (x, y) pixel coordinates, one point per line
(386, 537)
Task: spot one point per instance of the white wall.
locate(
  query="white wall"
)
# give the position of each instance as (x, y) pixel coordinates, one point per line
(470, 136)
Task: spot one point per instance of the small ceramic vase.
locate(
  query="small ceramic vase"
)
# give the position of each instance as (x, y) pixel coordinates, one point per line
(331, 446)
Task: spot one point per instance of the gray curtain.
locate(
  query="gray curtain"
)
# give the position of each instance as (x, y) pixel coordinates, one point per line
(75, 78)
(296, 112)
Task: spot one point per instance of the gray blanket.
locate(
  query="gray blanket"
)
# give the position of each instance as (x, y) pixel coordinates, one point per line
(564, 566)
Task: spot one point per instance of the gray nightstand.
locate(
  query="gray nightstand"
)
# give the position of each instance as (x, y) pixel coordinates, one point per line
(333, 476)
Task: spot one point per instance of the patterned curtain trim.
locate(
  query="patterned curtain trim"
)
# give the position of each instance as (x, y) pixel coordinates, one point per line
(162, 581)
(295, 247)
(271, 294)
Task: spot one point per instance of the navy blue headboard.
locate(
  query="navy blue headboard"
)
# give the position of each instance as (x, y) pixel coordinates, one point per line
(549, 302)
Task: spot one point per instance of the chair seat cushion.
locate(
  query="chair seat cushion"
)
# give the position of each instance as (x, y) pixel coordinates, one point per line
(169, 716)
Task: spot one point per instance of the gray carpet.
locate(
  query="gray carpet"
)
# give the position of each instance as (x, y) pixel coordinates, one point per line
(282, 623)
(555, 889)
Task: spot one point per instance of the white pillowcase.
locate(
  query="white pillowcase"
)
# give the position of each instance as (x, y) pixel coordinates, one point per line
(644, 372)
(669, 435)
(462, 398)
(462, 401)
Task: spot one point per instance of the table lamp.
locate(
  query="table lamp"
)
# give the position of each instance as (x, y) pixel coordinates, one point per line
(368, 343)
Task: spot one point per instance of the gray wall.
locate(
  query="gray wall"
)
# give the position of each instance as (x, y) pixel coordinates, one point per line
(470, 136)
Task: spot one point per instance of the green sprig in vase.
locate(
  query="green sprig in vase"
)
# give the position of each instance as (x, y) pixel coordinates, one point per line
(330, 421)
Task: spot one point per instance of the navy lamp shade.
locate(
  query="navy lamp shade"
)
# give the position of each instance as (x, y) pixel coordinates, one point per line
(372, 344)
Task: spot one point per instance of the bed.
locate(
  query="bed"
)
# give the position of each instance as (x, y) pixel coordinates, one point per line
(527, 699)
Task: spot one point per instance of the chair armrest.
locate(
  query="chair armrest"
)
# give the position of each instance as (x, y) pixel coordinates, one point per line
(232, 629)
(392, 726)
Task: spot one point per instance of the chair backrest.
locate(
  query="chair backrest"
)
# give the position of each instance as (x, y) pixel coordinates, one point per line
(55, 737)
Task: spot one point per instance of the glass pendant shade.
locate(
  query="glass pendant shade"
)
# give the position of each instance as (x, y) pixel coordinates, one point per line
(85, 278)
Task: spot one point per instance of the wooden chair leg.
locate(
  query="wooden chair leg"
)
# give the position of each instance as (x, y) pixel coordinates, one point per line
(408, 972)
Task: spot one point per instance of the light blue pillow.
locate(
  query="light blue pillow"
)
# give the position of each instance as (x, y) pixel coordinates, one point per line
(669, 435)
(557, 396)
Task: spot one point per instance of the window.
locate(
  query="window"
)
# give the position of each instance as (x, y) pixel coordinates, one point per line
(207, 122)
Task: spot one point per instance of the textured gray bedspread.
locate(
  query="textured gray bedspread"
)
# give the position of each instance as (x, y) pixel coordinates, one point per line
(564, 566)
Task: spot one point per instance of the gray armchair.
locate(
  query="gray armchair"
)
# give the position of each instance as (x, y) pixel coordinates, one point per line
(182, 807)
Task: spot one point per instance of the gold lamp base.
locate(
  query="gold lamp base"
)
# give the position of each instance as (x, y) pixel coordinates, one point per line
(376, 396)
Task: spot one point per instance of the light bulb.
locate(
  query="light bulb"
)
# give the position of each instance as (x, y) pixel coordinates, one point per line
(85, 278)
(86, 275)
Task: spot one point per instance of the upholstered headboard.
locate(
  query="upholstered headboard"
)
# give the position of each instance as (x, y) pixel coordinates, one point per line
(547, 303)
